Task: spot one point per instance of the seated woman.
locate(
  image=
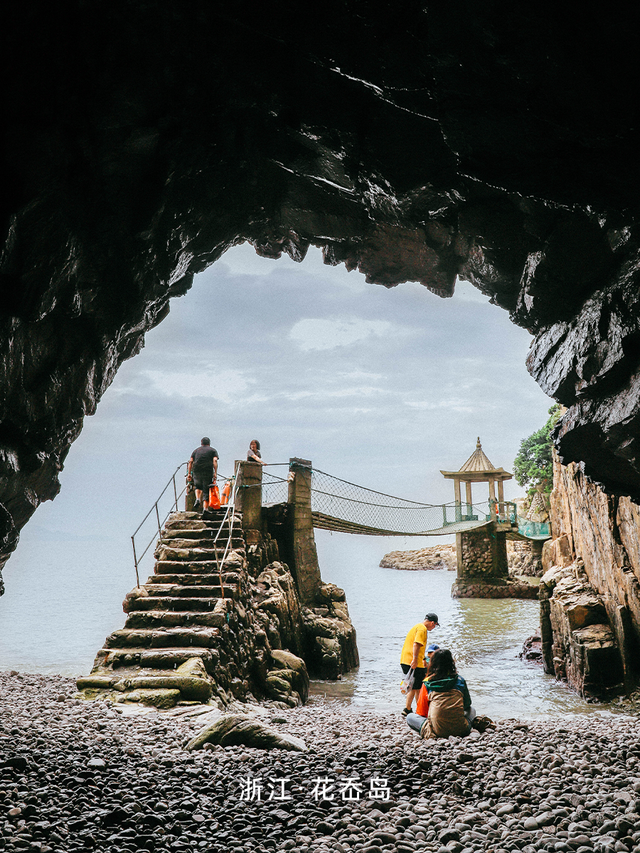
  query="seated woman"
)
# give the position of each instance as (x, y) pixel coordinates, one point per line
(444, 704)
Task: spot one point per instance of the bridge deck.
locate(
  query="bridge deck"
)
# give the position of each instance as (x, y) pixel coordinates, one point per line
(338, 525)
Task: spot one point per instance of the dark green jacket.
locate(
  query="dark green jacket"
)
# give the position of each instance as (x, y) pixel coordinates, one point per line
(441, 685)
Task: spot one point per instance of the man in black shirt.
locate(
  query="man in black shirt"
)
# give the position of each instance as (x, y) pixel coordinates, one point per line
(203, 470)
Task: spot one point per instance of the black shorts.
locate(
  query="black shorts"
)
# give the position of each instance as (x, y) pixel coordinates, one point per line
(202, 483)
(419, 674)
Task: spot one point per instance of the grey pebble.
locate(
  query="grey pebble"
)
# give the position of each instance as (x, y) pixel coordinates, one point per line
(544, 787)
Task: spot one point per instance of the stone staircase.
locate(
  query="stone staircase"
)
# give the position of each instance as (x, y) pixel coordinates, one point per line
(175, 644)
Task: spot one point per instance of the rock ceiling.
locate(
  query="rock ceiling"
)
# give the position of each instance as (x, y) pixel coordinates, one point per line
(411, 141)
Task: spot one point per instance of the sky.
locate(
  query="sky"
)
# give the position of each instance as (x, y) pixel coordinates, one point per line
(383, 388)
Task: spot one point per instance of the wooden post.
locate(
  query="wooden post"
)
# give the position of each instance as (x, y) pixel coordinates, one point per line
(305, 557)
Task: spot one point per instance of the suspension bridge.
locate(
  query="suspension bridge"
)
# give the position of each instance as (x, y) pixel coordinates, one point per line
(345, 507)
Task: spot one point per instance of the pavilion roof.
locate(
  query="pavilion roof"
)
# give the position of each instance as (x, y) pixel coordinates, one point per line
(478, 467)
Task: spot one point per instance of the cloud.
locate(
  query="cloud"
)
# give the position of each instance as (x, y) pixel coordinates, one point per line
(225, 386)
(328, 334)
(337, 393)
(454, 404)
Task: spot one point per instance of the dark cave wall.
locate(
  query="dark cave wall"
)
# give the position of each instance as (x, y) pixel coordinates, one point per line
(414, 142)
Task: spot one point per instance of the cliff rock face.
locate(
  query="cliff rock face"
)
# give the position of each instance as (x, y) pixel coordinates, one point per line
(142, 140)
(597, 544)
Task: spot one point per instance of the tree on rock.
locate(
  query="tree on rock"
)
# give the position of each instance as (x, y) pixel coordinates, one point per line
(533, 466)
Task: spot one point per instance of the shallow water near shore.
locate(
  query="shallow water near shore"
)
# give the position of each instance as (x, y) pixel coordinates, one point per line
(485, 636)
(58, 610)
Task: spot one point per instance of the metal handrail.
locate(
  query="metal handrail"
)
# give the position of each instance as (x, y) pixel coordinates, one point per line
(154, 508)
(229, 507)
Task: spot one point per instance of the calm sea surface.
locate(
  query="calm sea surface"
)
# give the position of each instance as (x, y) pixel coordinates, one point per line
(64, 597)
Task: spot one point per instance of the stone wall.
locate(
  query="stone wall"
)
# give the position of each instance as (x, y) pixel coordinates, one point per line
(596, 536)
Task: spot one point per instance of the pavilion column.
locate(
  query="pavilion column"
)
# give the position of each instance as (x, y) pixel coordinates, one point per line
(458, 499)
(492, 496)
(469, 497)
(500, 491)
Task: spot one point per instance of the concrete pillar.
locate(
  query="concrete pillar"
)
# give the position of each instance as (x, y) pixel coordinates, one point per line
(500, 491)
(492, 489)
(189, 498)
(249, 494)
(305, 566)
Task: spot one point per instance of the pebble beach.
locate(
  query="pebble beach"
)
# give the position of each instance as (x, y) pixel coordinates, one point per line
(78, 775)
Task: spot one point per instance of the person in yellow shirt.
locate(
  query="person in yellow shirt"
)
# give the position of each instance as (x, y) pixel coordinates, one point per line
(412, 655)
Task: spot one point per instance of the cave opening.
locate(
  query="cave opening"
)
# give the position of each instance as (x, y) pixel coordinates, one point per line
(377, 386)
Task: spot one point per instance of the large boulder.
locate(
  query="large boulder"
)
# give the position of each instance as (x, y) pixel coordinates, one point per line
(235, 729)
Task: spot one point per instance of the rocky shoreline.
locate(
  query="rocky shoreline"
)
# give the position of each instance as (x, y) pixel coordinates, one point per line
(78, 775)
(434, 557)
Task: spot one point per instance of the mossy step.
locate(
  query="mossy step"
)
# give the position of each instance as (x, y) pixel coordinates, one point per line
(146, 603)
(164, 638)
(153, 658)
(190, 678)
(172, 619)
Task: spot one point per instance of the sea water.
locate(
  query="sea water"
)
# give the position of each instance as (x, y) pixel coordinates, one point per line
(65, 596)
(485, 635)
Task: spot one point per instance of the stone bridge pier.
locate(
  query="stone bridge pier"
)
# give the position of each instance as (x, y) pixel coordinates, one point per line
(482, 564)
(482, 555)
(327, 634)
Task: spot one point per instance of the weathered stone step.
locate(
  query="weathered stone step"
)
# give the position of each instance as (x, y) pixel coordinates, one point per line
(171, 603)
(153, 658)
(202, 543)
(200, 532)
(195, 520)
(165, 553)
(169, 619)
(178, 590)
(198, 568)
(163, 638)
(192, 579)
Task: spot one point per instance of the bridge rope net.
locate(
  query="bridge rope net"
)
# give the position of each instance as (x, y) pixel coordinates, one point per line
(343, 506)
(275, 490)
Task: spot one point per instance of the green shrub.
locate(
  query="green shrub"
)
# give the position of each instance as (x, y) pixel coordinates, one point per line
(533, 466)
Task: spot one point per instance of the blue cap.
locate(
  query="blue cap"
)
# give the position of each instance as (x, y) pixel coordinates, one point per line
(432, 648)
